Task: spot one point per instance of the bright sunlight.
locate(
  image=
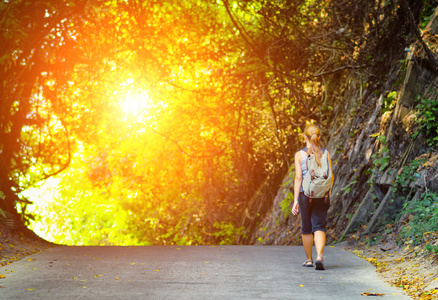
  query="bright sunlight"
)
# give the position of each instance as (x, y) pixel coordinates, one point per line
(135, 104)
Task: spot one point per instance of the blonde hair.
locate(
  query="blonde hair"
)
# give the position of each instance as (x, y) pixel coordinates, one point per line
(313, 135)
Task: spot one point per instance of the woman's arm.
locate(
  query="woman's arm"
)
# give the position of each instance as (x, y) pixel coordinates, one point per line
(298, 180)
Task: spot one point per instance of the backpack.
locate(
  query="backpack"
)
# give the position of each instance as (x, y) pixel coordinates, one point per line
(318, 180)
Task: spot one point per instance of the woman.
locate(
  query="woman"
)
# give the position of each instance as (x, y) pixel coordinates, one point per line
(313, 213)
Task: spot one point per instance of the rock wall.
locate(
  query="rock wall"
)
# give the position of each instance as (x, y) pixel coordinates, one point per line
(354, 139)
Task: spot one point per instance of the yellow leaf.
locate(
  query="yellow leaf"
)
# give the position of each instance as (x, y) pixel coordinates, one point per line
(2, 276)
(301, 285)
(30, 259)
(372, 294)
(117, 278)
(30, 289)
(132, 263)
(156, 270)
(207, 262)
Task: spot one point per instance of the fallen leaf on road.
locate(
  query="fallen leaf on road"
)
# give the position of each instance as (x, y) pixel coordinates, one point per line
(372, 294)
(30, 259)
(2, 276)
(301, 285)
(30, 289)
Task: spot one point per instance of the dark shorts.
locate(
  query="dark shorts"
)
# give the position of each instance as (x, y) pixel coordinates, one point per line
(313, 214)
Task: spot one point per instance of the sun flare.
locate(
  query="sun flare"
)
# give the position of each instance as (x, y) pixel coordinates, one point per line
(136, 104)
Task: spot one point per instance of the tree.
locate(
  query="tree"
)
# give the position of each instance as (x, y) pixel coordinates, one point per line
(226, 87)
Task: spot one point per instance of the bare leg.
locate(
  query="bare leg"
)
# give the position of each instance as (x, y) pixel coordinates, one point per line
(308, 244)
(319, 244)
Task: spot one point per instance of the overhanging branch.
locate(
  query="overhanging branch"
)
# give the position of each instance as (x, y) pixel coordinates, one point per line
(340, 69)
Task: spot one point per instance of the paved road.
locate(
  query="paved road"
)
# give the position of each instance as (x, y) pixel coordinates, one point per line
(196, 272)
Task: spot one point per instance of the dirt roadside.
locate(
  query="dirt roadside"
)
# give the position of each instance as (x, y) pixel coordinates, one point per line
(410, 267)
(17, 244)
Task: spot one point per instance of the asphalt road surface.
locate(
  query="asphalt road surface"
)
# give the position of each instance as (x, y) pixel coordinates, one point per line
(195, 272)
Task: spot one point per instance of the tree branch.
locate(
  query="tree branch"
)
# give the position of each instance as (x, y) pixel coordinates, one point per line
(340, 69)
(185, 152)
(417, 32)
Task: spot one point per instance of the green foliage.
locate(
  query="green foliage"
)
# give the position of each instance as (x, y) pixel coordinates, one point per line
(407, 175)
(427, 120)
(381, 159)
(427, 12)
(286, 204)
(288, 197)
(389, 102)
(228, 233)
(423, 217)
(432, 248)
(349, 186)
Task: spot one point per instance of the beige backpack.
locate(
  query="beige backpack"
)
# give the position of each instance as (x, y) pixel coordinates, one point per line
(318, 180)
